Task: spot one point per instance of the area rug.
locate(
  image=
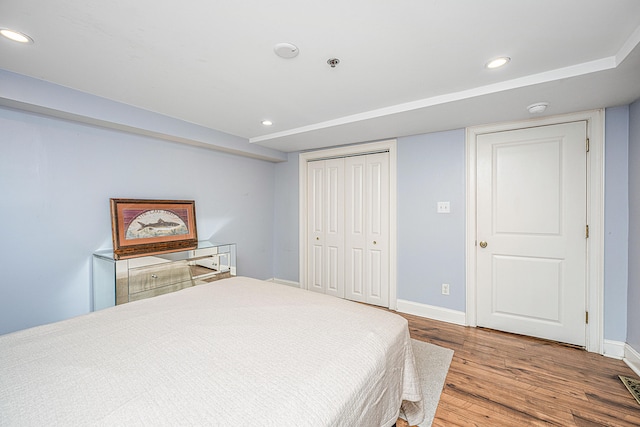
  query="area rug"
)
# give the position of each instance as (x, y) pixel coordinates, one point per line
(433, 363)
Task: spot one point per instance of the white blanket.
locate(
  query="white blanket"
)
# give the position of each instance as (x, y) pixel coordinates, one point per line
(238, 351)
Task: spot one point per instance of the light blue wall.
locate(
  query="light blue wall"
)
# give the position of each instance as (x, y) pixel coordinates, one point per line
(286, 231)
(431, 249)
(431, 246)
(616, 223)
(38, 96)
(56, 178)
(633, 298)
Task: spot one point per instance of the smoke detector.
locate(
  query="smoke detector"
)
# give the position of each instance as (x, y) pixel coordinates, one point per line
(538, 107)
(286, 50)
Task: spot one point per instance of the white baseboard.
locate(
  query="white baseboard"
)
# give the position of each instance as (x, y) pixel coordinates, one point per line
(614, 349)
(432, 312)
(632, 358)
(284, 282)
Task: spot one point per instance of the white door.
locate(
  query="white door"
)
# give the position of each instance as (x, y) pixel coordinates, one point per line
(325, 198)
(367, 228)
(531, 231)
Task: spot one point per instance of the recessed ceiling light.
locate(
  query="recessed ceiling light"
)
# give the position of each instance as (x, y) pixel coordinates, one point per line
(267, 122)
(16, 36)
(498, 62)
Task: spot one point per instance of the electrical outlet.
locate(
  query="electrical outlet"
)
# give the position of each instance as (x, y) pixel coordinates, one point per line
(445, 289)
(444, 207)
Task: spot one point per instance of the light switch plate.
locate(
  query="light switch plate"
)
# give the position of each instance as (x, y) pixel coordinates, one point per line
(444, 207)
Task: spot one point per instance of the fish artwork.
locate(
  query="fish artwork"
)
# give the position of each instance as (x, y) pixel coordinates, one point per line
(155, 223)
(160, 225)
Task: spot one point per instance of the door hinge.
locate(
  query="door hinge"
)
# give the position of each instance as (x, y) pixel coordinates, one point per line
(587, 232)
(586, 317)
(587, 145)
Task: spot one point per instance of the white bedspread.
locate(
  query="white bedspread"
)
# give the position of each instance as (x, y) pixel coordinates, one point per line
(238, 351)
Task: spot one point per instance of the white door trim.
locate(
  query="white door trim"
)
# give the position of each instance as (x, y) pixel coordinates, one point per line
(350, 150)
(595, 216)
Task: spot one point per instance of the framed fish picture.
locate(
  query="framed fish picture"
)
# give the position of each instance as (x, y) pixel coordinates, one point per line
(144, 227)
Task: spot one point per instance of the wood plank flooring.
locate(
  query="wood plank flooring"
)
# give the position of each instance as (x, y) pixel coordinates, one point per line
(500, 379)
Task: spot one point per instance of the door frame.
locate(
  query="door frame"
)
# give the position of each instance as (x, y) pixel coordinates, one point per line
(595, 216)
(352, 150)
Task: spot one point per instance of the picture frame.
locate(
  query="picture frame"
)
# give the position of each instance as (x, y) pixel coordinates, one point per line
(146, 227)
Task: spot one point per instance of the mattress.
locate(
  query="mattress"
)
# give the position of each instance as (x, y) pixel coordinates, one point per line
(238, 351)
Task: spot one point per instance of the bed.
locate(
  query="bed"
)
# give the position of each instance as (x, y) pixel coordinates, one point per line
(238, 351)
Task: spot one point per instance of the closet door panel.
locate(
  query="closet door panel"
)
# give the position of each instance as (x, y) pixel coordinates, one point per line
(355, 289)
(348, 234)
(355, 228)
(375, 270)
(377, 229)
(316, 225)
(315, 269)
(334, 233)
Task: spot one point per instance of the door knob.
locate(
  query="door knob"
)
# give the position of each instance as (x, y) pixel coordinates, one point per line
(483, 244)
(375, 243)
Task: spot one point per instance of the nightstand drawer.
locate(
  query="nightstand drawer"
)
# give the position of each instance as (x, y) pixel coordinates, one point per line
(158, 276)
(172, 287)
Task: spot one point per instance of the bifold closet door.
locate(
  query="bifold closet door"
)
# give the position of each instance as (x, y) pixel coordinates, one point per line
(325, 210)
(367, 228)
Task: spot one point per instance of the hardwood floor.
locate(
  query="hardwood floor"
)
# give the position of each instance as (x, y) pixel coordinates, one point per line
(501, 379)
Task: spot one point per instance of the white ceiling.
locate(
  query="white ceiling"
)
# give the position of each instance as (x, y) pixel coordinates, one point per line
(406, 66)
